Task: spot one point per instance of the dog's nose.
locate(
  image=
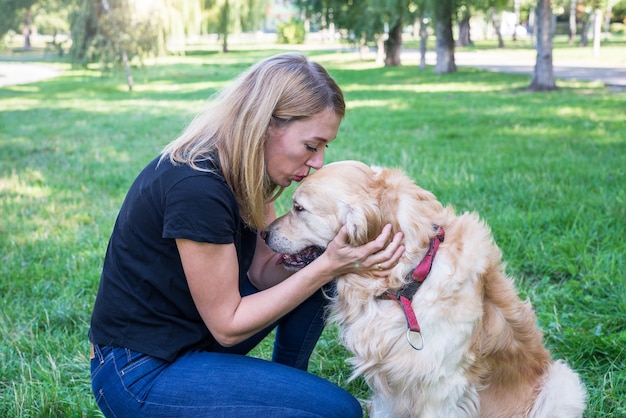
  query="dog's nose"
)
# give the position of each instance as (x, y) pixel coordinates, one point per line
(265, 235)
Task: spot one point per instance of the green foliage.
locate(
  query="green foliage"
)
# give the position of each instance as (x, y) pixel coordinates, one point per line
(140, 29)
(618, 28)
(106, 32)
(291, 32)
(619, 11)
(365, 19)
(545, 170)
(53, 16)
(11, 14)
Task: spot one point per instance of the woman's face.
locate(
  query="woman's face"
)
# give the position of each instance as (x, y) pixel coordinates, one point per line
(292, 150)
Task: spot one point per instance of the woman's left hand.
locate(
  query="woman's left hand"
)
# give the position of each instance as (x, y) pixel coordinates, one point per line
(377, 257)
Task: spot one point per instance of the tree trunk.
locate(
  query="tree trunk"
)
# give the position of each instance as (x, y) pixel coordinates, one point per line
(445, 40)
(516, 10)
(363, 48)
(607, 19)
(223, 25)
(118, 43)
(380, 50)
(572, 21)
(423, 41)
(393, 45)
(543, 77)
(496, 26)
(129, 73)
(597, 32)
(465, 38)
(28, 18)
(584, 36)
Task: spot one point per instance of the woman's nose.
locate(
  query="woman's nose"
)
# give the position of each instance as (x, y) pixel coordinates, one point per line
(317, 161)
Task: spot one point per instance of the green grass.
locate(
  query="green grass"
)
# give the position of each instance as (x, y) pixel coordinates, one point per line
(545, 170)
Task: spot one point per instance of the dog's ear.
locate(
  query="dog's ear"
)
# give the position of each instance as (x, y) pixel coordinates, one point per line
(363, 221)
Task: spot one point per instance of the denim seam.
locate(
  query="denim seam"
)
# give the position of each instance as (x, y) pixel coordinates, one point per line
(120, 372)
(132, 365)
(102, 399)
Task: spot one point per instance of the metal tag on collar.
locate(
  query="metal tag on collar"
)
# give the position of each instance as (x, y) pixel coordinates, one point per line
(419, 347)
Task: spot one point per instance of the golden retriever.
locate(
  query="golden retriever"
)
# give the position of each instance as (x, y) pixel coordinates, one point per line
(455, 342)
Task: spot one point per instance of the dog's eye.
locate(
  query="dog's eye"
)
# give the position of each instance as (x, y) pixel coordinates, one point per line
(297, 207)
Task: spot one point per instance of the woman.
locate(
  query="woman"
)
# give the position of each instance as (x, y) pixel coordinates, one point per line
(188, 287)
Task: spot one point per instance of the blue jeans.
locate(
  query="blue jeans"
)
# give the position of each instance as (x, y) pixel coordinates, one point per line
(224, 382)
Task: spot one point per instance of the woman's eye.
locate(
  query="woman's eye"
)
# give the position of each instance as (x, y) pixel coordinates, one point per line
(314, 149)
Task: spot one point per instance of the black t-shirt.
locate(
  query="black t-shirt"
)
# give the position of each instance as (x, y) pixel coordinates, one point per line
(143, 302)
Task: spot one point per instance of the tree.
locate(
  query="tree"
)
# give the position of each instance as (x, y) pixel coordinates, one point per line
(396, 14)
(8, 15)
(494, 8)
(597, 30)
(224, 24)
(445, 40)
(422, 22)
(118, 32)
(27, 27)
(232, 16)
(543, 76)
(464, 16)
(114, 32)
(495, 20)
(11, 12)
(366, 21)
(516, 10)
(572, 20)
(491, 9)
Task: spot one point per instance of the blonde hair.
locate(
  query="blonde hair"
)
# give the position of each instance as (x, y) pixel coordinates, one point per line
(232, 131)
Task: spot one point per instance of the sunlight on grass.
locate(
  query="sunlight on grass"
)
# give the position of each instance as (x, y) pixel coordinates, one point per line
(18, 187)
(608, 56)
(354, 104)
(450, 86)
(126, 107)
(175, 87)
(20, 103)
(25, 89)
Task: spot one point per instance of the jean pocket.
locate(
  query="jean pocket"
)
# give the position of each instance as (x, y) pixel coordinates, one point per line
(138, 371)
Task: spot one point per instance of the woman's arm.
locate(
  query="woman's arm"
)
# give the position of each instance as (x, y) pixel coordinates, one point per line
(264, 271)
(213, 276)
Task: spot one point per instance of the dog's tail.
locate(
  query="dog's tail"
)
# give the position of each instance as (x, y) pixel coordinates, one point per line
(562, 394)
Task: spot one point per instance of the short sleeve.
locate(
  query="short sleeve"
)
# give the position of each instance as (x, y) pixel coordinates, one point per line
(200, 208)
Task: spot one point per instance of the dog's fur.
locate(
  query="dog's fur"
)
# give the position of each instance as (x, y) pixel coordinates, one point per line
(483, 355)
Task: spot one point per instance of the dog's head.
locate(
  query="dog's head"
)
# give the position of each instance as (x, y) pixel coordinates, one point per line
(363, 198)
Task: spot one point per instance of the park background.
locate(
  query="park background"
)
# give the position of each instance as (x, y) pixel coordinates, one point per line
(545, 169)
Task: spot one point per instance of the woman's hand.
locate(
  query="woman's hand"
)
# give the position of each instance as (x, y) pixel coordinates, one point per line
(377, 257)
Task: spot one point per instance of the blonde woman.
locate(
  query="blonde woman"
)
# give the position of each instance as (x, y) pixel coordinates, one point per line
(188, 286)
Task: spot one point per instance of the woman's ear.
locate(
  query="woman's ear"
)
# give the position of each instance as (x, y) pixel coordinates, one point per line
(364, 222)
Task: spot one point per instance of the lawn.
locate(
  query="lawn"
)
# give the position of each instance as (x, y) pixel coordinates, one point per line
(545, 170)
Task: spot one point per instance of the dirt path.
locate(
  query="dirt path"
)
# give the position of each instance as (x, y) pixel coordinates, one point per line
(12, 73)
